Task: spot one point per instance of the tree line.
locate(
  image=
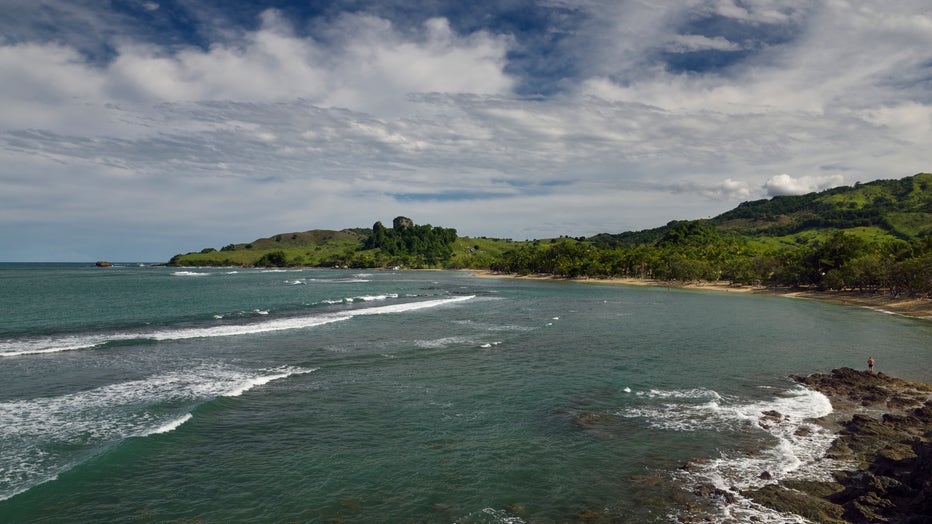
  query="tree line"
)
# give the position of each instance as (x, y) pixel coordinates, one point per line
(692, 251)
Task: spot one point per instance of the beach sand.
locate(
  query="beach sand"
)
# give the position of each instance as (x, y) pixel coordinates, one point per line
(879, 301)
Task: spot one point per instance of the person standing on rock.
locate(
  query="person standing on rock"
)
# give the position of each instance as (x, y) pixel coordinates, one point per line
(870, 365)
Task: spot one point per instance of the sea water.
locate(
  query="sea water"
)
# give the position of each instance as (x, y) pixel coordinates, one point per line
(150, 394)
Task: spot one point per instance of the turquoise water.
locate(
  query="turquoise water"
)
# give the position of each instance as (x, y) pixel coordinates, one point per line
(155, 394)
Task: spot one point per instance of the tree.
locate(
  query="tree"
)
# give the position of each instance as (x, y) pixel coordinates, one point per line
(273, 259)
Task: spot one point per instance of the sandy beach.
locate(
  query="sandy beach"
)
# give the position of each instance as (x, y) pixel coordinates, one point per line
(880, 301)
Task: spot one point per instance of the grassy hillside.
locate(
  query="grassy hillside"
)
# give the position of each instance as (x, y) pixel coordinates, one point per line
(884, 208)
(324, 248)
(869, 236)
(879, 211)
(312, 248)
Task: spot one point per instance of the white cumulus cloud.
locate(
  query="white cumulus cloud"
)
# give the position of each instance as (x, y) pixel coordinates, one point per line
(787, 185)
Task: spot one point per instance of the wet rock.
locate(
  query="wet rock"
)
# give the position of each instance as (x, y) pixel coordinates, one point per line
(605, 426)
(783, 500)
(815, 488)
(803, 431)
(588, 515)
(765, 475)
(591, 420)
(770, 418)
(712, 492)
(694, 465)
(893, 479)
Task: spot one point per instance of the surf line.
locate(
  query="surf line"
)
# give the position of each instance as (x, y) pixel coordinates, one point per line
(73, 343)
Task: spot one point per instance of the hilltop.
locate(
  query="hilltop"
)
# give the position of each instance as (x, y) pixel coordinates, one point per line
(883, 210)
(355, 247)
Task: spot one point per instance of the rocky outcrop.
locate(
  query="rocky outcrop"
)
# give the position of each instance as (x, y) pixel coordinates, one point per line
(845, 386)
(887, 433)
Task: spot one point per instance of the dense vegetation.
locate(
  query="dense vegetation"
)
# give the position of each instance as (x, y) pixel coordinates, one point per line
(407, 244)
(867, 237)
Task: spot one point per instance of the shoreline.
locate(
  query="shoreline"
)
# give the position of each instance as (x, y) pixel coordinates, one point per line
(914, 308)
(884, 427)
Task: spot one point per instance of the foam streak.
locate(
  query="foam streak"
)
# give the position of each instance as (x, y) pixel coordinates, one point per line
(40, 346)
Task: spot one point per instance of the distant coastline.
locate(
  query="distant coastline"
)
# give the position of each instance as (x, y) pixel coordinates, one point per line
(918, 308)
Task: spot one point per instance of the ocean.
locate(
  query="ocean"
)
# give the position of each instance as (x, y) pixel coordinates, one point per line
(139, 393)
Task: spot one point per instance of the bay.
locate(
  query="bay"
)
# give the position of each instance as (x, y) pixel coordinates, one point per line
(155, 394)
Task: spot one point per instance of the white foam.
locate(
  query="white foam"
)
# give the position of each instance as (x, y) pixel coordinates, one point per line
(86, 422)
(337, 280)
(492, 516)
(694, 393)
(190, 274)
(370, 298)
(262, 380)
(39, 346)
(171, 425)
(70, 343)
(793, 453)
(410, 306)
(441, 342)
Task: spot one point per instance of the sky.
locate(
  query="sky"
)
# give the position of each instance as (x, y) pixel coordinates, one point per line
(132, 130)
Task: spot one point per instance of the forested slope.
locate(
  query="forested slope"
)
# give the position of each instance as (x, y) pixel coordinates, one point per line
(870, 236)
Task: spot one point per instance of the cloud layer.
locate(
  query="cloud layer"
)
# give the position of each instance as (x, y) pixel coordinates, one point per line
(560, 119)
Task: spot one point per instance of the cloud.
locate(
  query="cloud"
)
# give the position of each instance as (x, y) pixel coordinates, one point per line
(364, 64)
(728, 190)
(690, 43)
(606, 115)
(787, 185)
(757, 11)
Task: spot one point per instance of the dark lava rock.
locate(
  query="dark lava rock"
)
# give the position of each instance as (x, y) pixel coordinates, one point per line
(790, 501)
(717, 494)
(893, 480)
(770, 418)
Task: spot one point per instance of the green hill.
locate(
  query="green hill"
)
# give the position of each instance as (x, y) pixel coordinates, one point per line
(869, 236)
(893, 208)
(350, 248)
(883, 210)
(316, 247)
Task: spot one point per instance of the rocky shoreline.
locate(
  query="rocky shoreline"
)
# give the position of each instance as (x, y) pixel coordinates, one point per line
(885, 433)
